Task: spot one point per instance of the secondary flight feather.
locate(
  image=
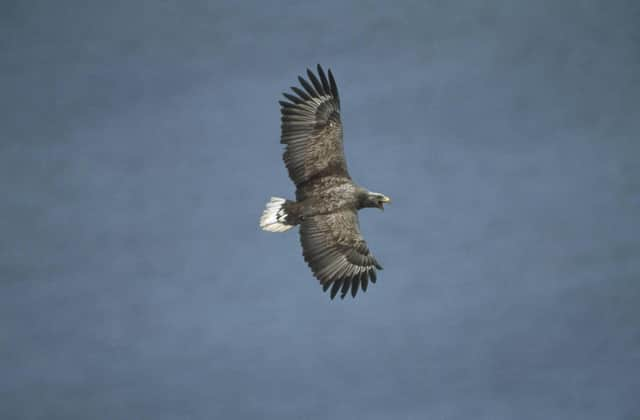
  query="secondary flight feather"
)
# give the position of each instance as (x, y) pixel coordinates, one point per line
(327, 200)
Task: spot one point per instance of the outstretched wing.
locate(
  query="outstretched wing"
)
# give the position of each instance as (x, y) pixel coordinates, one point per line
(333, 247)
(312, 130)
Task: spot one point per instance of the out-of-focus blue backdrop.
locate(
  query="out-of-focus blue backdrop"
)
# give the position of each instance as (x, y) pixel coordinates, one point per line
(139, 142)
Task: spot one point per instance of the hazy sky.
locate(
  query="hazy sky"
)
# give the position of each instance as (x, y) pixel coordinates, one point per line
(139, 142)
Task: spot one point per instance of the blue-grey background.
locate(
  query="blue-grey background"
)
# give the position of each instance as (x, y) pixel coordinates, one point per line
(139, 143)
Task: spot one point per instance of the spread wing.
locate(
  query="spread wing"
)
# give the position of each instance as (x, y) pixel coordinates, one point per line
(333, 247)
(312, 129)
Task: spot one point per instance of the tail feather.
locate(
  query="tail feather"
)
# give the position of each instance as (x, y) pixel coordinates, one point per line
(274, 216)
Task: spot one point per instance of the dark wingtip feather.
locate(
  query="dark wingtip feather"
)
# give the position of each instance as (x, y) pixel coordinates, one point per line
(292, 98)
(316, 84)
(334, 86)
(335, 288)
(364, 276)
(310, 90)
(355, 282)
(301, 93)
(345, 288)
(285, 104)
(373, 275)
(323, 78)
(364, 282)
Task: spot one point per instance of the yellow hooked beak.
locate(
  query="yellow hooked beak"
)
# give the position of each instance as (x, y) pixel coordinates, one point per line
(383, 200)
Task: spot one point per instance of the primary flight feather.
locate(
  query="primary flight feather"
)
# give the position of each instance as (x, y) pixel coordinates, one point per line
(327, 200)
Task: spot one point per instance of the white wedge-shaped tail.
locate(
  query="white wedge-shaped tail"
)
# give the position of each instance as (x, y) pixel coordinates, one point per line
(274, 216)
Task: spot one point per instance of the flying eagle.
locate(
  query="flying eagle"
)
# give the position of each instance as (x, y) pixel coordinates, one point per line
(327, 200)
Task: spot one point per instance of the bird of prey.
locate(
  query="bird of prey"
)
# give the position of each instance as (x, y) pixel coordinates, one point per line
(327, 200)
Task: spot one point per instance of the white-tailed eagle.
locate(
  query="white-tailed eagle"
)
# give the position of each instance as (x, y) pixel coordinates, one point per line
(327, 200)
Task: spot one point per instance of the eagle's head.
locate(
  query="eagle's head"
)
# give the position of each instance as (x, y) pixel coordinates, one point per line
(374, 199)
